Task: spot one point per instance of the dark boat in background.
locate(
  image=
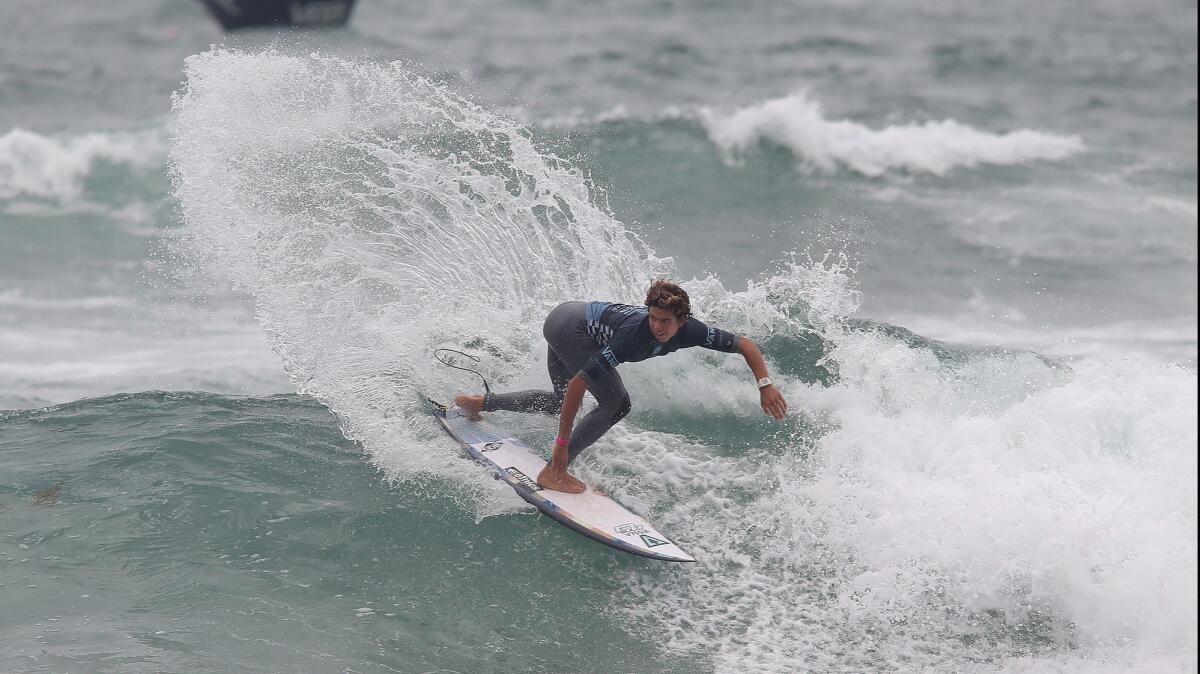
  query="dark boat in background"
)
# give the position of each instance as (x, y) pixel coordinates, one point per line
(233, 14)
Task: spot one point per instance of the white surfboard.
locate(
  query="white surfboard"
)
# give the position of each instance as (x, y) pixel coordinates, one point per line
(591, 513)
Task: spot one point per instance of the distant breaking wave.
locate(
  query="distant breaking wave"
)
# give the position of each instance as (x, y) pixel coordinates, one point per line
(56, 168)
(799, 125)
(33, 165)
(932, 147)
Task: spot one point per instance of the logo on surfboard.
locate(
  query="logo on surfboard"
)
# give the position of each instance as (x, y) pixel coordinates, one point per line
(631, 529)
(634, 529)
(652, 542)
(524, 479)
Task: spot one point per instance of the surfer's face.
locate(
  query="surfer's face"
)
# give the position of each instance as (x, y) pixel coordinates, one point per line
(663, 324)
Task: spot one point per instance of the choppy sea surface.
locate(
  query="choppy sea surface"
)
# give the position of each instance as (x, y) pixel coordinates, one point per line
(965, 236)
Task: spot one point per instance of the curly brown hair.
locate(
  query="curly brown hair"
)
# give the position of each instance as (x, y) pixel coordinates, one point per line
(666, 295)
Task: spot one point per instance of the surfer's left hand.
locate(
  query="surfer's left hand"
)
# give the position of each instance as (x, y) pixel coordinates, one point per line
(772, 402)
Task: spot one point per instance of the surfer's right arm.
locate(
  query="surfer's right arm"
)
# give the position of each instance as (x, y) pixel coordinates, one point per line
(555, 475)
(566, 419)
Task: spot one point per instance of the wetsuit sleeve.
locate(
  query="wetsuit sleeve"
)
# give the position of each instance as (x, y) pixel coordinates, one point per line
(601, 363)
(696, 333)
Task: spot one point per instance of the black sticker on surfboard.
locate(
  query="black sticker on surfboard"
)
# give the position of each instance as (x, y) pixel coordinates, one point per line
(524, 479)
(652, 542)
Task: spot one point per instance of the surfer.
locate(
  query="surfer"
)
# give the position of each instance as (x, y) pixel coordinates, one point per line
(586, 341)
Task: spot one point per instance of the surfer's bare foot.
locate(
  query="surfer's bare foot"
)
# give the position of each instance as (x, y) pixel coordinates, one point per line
(472, 405)
(560, 480)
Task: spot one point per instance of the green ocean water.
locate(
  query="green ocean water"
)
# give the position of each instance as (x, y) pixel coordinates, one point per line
(189, 545)
(964, 235)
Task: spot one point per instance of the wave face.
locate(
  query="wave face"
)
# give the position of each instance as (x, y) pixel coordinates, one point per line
(931, 506)
(247, 534)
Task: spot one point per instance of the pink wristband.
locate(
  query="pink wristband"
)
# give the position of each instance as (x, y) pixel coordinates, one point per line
(560, 441)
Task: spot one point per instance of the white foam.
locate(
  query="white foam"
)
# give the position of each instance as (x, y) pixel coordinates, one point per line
(1175, 205)
(45, 364)
(578, 117)
(1165, 341)
(935, 147)
(34, 165)
(947, 502)
(1078, 502)
(18, 298)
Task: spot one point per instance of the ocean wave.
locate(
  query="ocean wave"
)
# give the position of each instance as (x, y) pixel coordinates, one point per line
(187, 519)
(1169, 340)
(17, 298)
(375, 216)
(799, 124)
(935, 147)
(46, 167)
(52, 363)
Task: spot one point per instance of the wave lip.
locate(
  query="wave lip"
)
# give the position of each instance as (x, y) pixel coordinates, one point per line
(934, 147)
(375, 216)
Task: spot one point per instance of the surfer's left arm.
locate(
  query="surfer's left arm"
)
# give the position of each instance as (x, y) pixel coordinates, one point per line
(768, 396)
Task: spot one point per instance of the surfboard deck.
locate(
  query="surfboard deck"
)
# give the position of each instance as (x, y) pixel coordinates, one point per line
(591, 513)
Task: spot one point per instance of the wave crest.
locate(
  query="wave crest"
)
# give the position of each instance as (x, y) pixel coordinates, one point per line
(40, 166)
(935, 147)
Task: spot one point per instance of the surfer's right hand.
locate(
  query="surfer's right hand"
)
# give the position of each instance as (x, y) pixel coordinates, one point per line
(560, 481)
(555, 476)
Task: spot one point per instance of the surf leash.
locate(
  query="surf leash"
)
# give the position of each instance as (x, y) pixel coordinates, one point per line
(451, 361)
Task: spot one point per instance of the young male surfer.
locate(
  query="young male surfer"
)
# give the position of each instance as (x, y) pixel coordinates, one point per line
(587, 340)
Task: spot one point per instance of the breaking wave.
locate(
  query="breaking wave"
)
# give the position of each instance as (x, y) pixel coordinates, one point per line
(927, 507)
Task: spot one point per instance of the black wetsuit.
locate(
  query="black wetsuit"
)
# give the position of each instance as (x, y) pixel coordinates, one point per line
(591, 339)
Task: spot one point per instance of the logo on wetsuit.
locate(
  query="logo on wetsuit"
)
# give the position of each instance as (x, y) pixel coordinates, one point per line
(610, 357)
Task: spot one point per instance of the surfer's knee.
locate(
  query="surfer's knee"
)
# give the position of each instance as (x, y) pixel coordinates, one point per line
(622, 409)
